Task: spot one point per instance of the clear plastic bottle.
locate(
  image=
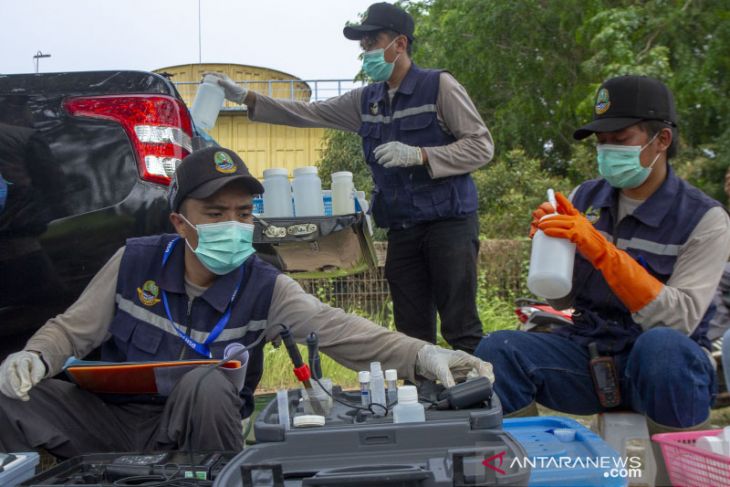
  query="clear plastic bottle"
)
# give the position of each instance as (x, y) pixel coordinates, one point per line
(343, 193)
(282, 408)
(391, 385)
(377, 389)
(408, 409)
(551, 263)
(307, 192)
(277, 193)
(208, 102)
(364, 378)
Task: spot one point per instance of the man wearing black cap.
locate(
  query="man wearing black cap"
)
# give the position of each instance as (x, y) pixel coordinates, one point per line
(650, 252)
(187, 295)
(422, 137)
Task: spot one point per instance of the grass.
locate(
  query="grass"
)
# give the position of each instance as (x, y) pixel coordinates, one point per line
(496, 314)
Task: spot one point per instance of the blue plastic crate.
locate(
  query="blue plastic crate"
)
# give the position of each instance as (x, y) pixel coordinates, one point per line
(586, 454)
(19, 470)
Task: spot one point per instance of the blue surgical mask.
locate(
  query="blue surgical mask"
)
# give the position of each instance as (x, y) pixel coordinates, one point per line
(222, 247)
(375, 65)
(620, 165)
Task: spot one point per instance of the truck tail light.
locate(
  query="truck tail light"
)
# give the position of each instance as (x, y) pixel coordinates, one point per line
(158, 126)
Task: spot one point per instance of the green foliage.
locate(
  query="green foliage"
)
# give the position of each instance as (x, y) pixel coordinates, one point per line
(510, 188)
(342, 151)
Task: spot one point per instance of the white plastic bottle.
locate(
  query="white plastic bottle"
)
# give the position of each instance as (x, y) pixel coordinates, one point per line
(391, 385)
(277, 193)
(377, 389)
(343, 193)
(307, 192)
(551, 263)
(208, 102)
(408, 409)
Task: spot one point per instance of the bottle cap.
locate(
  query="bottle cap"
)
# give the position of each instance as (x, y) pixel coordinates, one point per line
(564, 434)
(342, 175)
(308, 421)
(276, 171)
(407, 395)
(375, 368)
(305, 170)
(212, 79)
(391, 374)
(363, 376)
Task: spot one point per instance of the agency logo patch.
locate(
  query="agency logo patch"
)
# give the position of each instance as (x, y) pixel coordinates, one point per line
(148, 293)
(603, 102)
(593, 214)
(373, 109)
(224, 163)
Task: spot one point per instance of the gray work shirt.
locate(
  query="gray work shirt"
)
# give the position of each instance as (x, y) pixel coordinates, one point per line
(349, 339)
(455, 112)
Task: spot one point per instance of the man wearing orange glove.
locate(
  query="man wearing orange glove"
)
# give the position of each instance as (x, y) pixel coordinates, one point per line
(650, 251)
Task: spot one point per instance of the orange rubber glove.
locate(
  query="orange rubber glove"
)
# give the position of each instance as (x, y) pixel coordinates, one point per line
(542, 210)
(631, 283)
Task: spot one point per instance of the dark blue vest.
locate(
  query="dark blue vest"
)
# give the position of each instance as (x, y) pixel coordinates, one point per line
(652, 235)
(403, 197)
(141, 330)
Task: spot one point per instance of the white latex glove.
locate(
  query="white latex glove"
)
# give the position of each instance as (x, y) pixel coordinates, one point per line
(233, 92)
(434, 362)
(397, 154)
(19, 373)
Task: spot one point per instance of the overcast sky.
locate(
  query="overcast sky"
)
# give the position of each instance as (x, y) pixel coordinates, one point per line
(300, 37)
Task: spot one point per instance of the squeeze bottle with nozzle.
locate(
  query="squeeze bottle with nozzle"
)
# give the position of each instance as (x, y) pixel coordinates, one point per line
(551, 263)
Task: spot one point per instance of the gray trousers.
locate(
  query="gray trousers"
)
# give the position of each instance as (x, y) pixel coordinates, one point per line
(68, 421)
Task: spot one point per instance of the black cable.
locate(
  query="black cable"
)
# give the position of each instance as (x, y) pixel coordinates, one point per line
(197, 388)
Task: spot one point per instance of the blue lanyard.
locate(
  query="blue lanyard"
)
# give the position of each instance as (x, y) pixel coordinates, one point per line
(201, 348)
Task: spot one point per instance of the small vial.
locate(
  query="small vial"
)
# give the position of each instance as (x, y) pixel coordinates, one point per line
(391, 385)
(364, 378)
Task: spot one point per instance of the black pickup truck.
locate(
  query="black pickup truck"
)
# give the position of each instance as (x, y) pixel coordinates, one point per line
(85, 160)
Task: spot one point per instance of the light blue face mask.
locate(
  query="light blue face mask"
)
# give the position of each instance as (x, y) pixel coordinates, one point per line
(375, 65)
(222, 247)
(620, 165)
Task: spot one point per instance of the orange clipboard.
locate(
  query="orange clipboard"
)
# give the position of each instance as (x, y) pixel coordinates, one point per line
(131, 378)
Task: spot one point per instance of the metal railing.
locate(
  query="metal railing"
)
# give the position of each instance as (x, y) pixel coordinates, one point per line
(294, 89)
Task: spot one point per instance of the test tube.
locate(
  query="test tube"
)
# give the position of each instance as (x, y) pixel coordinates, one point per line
(391, 385)
(364, 378)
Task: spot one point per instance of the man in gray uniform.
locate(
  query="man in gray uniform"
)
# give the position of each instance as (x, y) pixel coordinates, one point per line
(170, 297)
(422, 137)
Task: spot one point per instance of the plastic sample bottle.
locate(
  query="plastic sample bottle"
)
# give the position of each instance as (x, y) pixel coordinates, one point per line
(364, 378)
(391, 385)
(408, 409)
(282, 407)
(208, 102)
(277, 193)
(377, 389)
(551, 263)
(343, 193)
(307, 192)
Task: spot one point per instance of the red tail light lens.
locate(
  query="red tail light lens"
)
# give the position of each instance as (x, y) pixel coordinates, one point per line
(159, 127)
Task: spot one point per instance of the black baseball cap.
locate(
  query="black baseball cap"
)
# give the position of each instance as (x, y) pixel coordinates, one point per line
(205, 171)
(382, 16)
(627, 100)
